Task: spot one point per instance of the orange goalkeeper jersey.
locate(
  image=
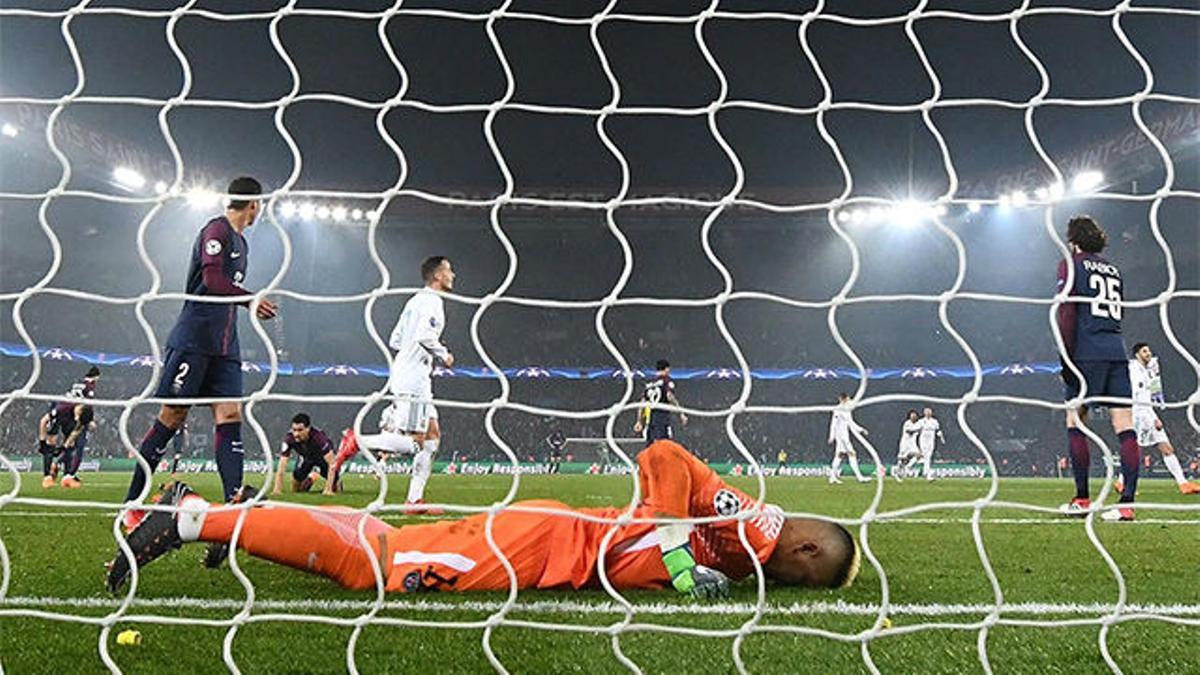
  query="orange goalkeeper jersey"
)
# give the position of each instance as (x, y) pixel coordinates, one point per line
(561, 550)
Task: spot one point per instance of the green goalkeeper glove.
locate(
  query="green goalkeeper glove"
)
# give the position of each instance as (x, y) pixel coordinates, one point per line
(698, 581)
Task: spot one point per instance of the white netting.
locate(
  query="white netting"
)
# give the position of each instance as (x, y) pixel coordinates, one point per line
(804, 22)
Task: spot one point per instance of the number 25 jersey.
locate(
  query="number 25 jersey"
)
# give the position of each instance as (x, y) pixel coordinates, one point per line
(1097, 324)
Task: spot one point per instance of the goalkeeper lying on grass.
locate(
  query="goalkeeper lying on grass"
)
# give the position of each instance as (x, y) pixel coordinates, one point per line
(547, 550)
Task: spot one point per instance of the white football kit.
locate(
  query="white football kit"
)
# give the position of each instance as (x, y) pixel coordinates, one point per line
(391, 437)
(417, 341)
(928, 436)
(1146, 382)
(908, 438)
(840, 425)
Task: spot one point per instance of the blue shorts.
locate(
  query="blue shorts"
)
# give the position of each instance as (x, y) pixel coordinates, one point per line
(656, 432)
(60, 424)
(306, 465)
(1104, 378)
(192, 375)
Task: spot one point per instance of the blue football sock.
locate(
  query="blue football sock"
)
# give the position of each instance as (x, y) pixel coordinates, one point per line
(230, 456)
(1131, 463)
(152, 451)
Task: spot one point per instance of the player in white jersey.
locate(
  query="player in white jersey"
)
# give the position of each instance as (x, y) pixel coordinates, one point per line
(841, 423)
(909, 452)
(410, 424)
(931, 431)
(1146, 381)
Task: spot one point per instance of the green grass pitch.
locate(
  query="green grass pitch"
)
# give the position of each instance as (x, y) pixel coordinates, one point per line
(933, 573)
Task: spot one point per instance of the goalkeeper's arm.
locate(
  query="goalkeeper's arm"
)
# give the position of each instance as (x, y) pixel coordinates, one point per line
(687, 576)
(696, 580)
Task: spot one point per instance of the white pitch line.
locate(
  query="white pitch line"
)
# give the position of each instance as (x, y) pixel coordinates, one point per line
(9, 513)
(608, 607)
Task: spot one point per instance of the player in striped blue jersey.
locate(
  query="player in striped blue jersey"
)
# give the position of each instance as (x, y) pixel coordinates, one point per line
(1091, 334)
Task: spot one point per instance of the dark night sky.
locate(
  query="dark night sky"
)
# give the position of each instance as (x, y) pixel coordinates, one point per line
(569, 253)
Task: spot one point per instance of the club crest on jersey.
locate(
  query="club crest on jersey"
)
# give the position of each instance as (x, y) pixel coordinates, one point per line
(725, 503)
(412, 582)
(212, 246)
(237, 277)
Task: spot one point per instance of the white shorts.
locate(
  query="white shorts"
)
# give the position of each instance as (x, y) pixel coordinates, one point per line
(843, 447)
(926, 451)
(387, 441)
(409, 415)
(1147, 434)
(905, 453)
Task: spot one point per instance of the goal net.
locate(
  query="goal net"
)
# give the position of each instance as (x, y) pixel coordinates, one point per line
(787, 200)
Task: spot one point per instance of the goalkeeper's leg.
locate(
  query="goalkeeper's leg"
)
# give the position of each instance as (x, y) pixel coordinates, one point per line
(323, 541)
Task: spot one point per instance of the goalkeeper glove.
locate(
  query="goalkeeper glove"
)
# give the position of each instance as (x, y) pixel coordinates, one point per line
(698, 581)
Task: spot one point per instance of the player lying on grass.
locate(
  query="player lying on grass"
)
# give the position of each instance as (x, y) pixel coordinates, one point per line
(547, 550)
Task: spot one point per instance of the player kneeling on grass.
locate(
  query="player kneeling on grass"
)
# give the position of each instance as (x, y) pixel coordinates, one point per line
(548, 544)
(314, 454)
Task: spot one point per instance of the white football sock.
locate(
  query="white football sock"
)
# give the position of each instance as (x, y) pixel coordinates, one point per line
(422, 466)
(1172, 463)
(190, 518)
(926, 462)
(854, 466)
(834, 468)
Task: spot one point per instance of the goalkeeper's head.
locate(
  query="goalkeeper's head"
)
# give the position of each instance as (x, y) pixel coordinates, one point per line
(814, 552)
